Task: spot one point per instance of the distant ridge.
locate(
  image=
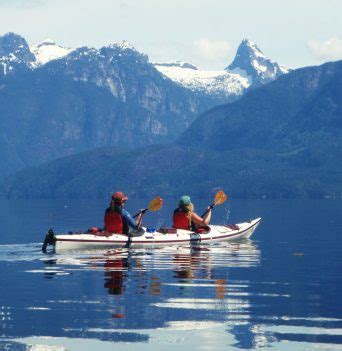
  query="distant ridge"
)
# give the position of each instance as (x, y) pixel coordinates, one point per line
(282, 140)
(59, 101)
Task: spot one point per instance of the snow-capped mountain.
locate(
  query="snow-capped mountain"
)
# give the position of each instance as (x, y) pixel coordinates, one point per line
(250, 68)
(221, 84)
(116, 67)
(15, 54)
(250, 59)
(47, 51)
(67, 102)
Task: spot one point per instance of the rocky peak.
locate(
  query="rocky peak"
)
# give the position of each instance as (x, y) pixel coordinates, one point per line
(13, 47)
(250, 59)
(123, 52)
(123, 45)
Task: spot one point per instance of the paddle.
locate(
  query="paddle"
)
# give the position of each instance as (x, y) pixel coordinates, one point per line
(154, 205)
(219, 199)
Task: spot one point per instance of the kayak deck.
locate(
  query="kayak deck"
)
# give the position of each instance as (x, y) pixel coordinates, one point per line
(157, 238)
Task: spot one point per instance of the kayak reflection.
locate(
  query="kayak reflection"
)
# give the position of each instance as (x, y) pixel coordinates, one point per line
(188, 264)
(164, 287)
(114, 274)
(197, 265)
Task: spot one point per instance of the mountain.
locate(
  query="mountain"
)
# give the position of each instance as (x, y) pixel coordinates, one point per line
(251, 60)
(249, 69)
(15, 55)
(15, 51)
(297, 110)
(47, 51)
(281, 140)
(84, 99)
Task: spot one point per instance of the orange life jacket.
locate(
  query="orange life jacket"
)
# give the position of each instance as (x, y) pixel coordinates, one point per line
(181, 219)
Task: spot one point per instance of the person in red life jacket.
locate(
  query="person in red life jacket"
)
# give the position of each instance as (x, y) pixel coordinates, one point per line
(117, 219)
(184, 216)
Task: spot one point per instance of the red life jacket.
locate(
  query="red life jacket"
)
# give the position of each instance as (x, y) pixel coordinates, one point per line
(113, 222)
(181, 219)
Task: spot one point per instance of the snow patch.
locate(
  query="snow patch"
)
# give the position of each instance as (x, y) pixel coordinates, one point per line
(284, 69)
(4, 65)
(256, 51)
(214, 82)
(238, 71)
(258, 66)
(47, 51)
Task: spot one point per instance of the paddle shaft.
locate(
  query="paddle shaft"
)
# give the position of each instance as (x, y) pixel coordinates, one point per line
(143, 211)
(210, 208)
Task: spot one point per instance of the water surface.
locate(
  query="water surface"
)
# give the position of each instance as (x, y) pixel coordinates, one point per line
(281, 289)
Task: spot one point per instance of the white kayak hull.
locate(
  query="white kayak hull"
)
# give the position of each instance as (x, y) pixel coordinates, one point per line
(156, 239)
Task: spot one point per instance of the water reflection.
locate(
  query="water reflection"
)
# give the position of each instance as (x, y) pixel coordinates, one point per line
(186, 292)
(114, 274)
(192, 263)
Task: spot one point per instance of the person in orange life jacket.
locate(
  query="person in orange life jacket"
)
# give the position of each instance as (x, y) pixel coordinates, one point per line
(184, 216)
(117, 219)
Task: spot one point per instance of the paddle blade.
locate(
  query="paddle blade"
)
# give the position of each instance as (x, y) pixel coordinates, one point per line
(220, 198)
(156, 204)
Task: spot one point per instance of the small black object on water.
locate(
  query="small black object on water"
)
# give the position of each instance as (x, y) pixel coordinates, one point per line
(49, 240)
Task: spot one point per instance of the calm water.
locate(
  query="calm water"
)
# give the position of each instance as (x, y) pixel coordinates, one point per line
(280, 290)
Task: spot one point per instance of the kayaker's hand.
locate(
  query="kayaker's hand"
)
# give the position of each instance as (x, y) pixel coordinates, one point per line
(209, 209)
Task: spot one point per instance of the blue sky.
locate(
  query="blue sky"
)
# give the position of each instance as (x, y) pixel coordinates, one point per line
(203, 32)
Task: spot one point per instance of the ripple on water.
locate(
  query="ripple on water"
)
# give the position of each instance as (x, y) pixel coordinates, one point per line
(190, 293)
(20, 252)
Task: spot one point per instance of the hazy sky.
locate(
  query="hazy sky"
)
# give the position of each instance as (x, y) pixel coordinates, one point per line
(204, 32)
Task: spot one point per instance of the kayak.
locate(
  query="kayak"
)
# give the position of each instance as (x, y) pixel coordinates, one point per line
(149, 237)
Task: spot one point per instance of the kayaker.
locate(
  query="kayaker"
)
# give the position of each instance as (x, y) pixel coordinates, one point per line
(184, 216)
(117, 219)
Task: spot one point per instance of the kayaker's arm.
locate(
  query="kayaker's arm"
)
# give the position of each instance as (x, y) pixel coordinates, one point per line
(139, 219)
(131, 222)
(201, 221)
(207, 216)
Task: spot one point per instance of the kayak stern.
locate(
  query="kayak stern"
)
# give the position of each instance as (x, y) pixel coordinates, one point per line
(50, 239)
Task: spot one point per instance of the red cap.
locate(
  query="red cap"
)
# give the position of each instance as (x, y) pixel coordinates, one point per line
(119, 196)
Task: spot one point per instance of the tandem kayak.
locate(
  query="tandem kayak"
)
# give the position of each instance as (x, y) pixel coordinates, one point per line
(148, 238)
